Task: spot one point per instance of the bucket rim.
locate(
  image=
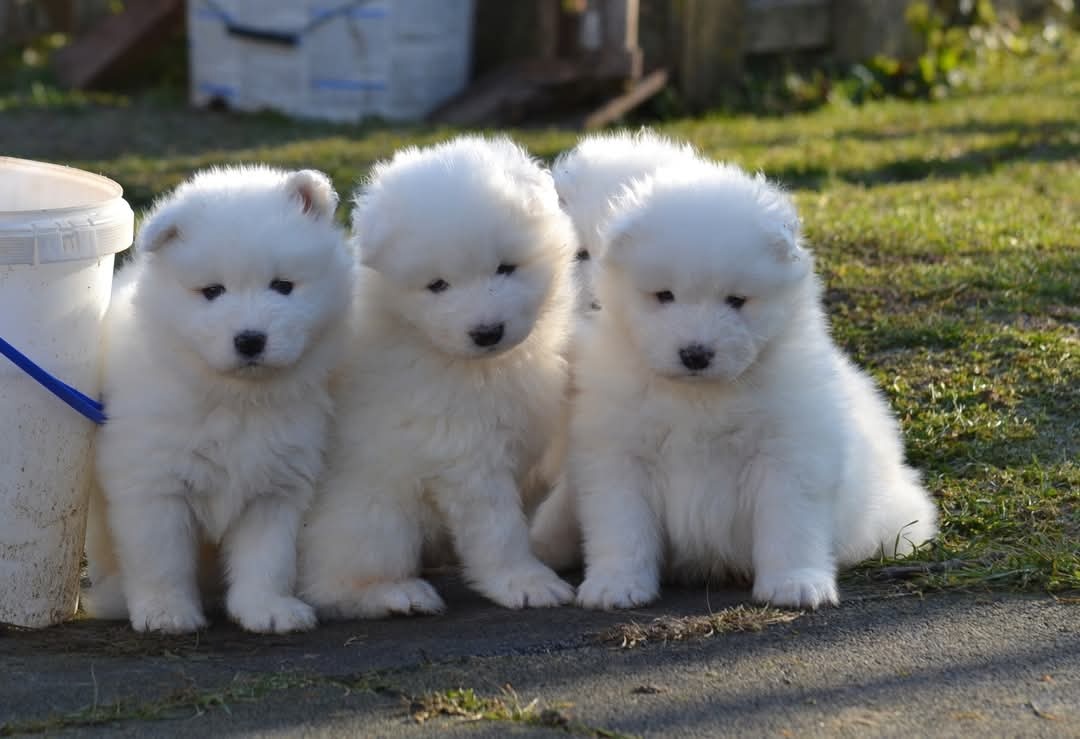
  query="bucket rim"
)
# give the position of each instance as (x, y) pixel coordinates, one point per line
(111, 190)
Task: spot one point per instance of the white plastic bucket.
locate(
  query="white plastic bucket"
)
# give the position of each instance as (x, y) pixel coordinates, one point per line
(59, 230)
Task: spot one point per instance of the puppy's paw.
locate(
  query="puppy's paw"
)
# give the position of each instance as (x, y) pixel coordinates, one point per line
(381, 599)
(168, 613)
(528, 586)
(270, 613)
(608, 590)
(802, 588)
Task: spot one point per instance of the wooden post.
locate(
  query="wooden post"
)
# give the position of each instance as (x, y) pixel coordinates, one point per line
(548, 12)
(61, 14)
(712, 49)
(620, 33)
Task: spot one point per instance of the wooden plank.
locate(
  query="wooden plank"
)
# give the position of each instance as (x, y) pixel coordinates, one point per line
(712, 49)
(116, 40)
(864, 28)
(786, 25)
(641, 91)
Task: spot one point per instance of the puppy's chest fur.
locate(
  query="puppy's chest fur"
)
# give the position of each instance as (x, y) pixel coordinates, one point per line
(701, 461)
(233, 456)
(497, 416)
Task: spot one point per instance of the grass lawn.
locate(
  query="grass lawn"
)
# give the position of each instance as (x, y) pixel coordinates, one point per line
(948, 234)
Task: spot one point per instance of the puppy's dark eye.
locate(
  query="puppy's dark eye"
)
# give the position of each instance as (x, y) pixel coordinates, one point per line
(735, 301)
(281, 286)
(665, 296)
(582, 255)
(438, 286)
(212, 292)
(506, 269)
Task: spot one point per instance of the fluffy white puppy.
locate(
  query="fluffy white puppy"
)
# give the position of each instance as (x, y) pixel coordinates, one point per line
(591, 175)
(717, 430)
(455, 385)
(589, 178)
(220, 340)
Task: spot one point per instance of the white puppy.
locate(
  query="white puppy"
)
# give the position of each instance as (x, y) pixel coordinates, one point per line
(718, 431)
(455, 385)
(221, 337)
(591, 175)
(589, 178)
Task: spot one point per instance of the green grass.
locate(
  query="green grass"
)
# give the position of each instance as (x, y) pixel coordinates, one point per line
(948, 234)
(465, 704)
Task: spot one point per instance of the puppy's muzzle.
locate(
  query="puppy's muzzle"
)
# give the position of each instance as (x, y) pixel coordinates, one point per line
(696, 357)
(249, 344)
(486, 336)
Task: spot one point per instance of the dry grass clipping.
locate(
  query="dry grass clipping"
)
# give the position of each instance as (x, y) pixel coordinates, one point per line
(466, 704)
(670, 628)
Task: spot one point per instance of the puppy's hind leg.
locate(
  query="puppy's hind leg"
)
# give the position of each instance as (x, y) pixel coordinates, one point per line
(260, 553)
(105, 596)
(360, 553)
(555, 534)
(492, 538)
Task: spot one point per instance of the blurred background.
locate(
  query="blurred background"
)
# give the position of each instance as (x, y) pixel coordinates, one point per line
(575, 63)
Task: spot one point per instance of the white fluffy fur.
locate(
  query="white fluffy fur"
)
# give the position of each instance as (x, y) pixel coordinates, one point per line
(204, 445)
(591, 175)
(779, 461)
(437, 436)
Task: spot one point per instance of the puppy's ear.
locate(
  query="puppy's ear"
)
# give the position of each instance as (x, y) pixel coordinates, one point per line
(784, 229)
(785, 239)
(370, 231)
(619, 232)
(314, 192)
(538, 190)
(617, 237)
(159, 229)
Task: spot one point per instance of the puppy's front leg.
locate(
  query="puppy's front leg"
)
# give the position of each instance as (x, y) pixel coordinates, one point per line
(492, 538)
(155, 539)
(260, 553)
(792, 553)
(621, 532)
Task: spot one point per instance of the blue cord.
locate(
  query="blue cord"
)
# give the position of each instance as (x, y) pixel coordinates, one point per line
(84, 404)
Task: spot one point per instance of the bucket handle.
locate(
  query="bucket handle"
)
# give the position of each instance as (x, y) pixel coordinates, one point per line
(84, 404)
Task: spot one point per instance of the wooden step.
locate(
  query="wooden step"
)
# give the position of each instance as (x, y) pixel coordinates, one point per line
(117, 41)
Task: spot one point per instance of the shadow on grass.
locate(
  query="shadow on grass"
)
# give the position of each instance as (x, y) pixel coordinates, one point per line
(1044, 129)
(971, 163)
(154, 130)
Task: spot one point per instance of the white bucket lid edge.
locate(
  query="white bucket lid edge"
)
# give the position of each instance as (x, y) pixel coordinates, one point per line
(98, 228)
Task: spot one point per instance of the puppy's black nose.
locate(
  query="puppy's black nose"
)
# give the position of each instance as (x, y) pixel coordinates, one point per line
(696, 357)
(487, 335)
(249, 343)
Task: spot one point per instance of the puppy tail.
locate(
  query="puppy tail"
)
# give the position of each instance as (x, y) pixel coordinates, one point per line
(911, 517)
(555, 534)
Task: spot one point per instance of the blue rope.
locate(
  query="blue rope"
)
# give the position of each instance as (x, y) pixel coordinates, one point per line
(84, 404)
(287, 38)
